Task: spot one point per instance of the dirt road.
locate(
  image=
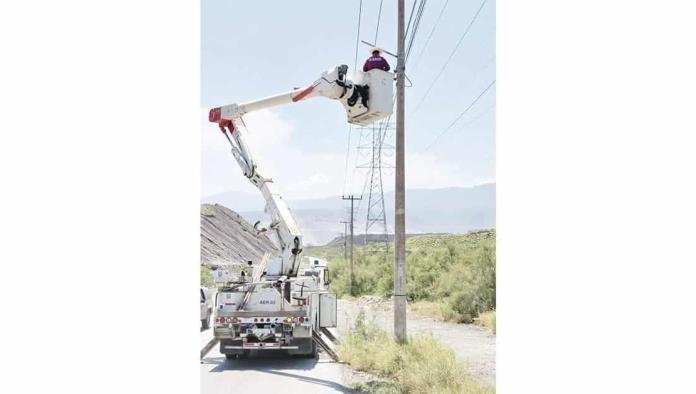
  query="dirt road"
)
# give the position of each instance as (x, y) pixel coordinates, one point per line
(474, 345)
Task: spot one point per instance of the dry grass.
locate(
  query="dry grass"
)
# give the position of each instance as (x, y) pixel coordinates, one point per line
(487, 319)
(422, 365)
(440, 311)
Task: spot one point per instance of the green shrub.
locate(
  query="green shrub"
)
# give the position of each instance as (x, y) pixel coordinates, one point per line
(206, 277)
(455, 271)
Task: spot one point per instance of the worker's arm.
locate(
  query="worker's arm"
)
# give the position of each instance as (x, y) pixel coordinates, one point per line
(385, 65)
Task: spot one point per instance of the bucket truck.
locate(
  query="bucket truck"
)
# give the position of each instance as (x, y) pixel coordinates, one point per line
(282, 302)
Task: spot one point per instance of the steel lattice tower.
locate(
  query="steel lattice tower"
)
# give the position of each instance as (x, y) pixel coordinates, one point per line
(379, 151)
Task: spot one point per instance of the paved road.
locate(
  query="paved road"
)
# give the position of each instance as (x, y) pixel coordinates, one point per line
(268, 372)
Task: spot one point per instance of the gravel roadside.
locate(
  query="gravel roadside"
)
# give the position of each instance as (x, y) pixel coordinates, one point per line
(474, 345)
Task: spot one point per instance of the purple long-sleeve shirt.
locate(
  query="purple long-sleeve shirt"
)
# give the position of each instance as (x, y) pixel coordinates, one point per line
(376, 62)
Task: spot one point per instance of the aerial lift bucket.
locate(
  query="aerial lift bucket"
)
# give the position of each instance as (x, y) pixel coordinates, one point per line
(381, 96)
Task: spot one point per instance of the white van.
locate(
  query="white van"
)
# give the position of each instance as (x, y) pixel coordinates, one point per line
(206, 308)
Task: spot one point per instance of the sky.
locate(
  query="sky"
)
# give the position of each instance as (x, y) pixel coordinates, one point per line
(255, 49)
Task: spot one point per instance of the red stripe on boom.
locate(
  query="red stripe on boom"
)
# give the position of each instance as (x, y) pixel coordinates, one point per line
(215, 114)
(303, 94)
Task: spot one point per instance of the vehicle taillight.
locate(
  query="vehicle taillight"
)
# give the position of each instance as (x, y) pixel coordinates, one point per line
(221, 320)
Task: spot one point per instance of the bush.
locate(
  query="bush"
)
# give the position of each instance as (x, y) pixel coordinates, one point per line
(455, 271)
(206, 278)
(487, 319)
(421, 365)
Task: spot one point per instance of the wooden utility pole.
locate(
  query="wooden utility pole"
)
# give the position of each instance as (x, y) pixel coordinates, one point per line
(352, 199)
(400, 193)
(345, 239)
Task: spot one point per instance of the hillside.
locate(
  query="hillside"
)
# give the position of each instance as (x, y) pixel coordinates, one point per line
(364, 239)
(226, 237)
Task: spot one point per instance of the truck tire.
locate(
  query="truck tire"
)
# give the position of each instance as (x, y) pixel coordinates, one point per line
(243, 355)
(205, 323)
(313, 351)
(308, 350)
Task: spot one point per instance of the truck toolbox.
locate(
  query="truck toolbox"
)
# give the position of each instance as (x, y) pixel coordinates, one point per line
(327, 310)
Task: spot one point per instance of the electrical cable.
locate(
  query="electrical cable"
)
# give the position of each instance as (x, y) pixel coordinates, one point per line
(444, 66)
(345, 172)
(379, 17)
(408, 26)
(357, 36)
(414, 31)
(350, 127)
(459, 116)
(427, 41)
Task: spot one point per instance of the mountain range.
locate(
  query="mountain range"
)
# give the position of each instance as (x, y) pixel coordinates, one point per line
(444, 210)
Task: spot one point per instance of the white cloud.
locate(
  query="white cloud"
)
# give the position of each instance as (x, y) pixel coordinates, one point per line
(311, 183)
(300, 173)
(296, 173)
(426, 170)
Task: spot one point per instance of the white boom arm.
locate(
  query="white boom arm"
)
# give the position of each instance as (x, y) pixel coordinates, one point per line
(361, 109)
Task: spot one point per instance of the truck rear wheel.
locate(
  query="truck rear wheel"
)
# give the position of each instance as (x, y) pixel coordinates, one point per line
(243, 354)
(313, 351)
(205, 323)
(306, 348)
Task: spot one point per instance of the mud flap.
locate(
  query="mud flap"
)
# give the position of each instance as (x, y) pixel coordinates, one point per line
(306, 347)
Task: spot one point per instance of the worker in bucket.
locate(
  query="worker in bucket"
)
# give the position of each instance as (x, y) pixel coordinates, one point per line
(376, 61)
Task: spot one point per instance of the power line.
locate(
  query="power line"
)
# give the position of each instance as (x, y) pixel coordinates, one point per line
(477, 117)
(357, 157)
(345, 172)
(468, 28)
(350, 127)
(416, 25)
(352, 200)
(379, 17)
(427, 41)
(410, 17)
(357, 36)
(460, 115)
